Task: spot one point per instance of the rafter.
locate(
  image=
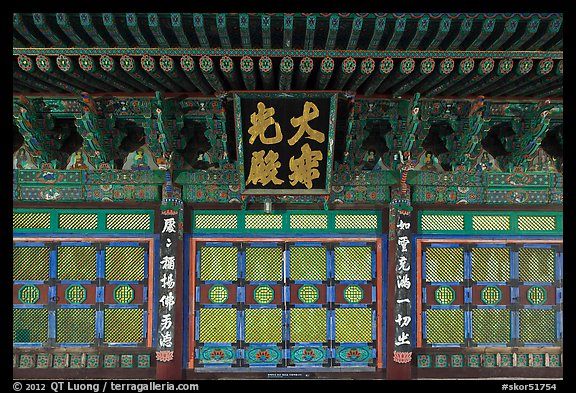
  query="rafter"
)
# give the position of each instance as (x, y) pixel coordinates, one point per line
(223, 31)
(192, 73)
(530, 29)
(132, 23)
(310, 30)
(149, 65)
(421, 31)
(304, 70)
(286, 70)
(20, 26)
(509, 29)
(176, 20)
(266, 37)
(244, 20)
(44, 28)
(288, 26)
(333, 25)
(379, 27)
(326, 69)
(399, 27)
(465, 29)
(86, 22)
(247, 70)
(64, 23)
(155, 28)
(487, 29)
(443, 30)
(200, 30)
(110, 24)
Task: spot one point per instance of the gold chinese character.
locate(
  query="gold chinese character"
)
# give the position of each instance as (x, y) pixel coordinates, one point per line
(264, 169)
(303, 168)
(310, 112)
(260, 123)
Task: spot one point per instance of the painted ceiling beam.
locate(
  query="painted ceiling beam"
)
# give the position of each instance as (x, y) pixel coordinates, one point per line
(244, 21)
(27, 64)
(333, 25)
(66, 65)
(288, 27)
(266, 72)
(86, 22)
(465, 29)
(247, 71)
(466, 66)
(505, 66)
(64, 23)
(44, 28)
(223, 31)
(529, 31)
(88, 65)
(444, 69)
(176, 20)
(443, 30)
(20, 85)
(530, 79)
(229, 71)
(355, 32)
(132, 23)
(325, 73)
(406, 67)
(192, 73)
(487, 29)
(109, 22)
(310, 29)
(200, 30)
(207, 68)
(399, 28)
(35, 83)
(266, 36)
(45, 65)
(551, 92)
(169, 67)
(421, 31)
(384, 69)
(286, 71)
(148, 63)
(546, 78)
(509, 29)
(108, 64)
(366, 68)
(379, 27)
(523, 68)
(344, 73)
(156, 29)
(485, 67)
(426, 67)
(130, 66)
(553, 28)
(20, 26)
(304, 70)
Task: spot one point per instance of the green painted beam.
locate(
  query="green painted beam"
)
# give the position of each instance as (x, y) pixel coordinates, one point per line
(325, 73)
(304, 70)
(154, 25)
(266, 36)
(20, 26)
(286, 71)
(345, 71)
(466, 66)
(131, 67)
(444, 69)
(64, 23)
(505, 66)
(487, 29)
(509, 29)
(34, 82)
(132, 23)
(399, 28)
(108, 19)
(88, 65)
(266, 69)
(229, 71)
(379, 27)
(176, 20)
(288, 27)
(355, 32)
(45, 65)
(465, 29)
(443, 30)
(192, 73)
(529, 31)
(86, 22)
(530, 80)
(207, 68)
(244, 20)
(148, 63)
(523, 68)
(366, 68)
(552, 29)
(66, 65)
(200, 30)
(421, 32)
(485, 67)
(27, 64)
(178, 79)
(426, 67)
(384, 69)
(108, 64)
(406, 68)
(310, 30)
(334, 23)
(223, 31)
(42, 25)
(247, 70)
(545, 78)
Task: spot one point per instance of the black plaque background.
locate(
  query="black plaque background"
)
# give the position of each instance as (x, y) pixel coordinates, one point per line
(286, 109)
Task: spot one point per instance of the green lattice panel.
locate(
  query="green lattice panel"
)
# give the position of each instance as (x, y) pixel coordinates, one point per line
(263, 325)
(536, 223)
(353, 324)
(444, 264)
(264, 263)
(31, 263)
(353, 263)
(76, 263)
(124, 263)
(490, 264)
(75, 325)
(308, 325)
(536, 264)
(29, 325)
(217, 325)
(445, 326)
(490, 325)
(307, 263)
(123, 325)
(537, 326)
(218, 263)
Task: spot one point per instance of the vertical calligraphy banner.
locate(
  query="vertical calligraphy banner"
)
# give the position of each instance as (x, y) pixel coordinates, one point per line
(402, 293)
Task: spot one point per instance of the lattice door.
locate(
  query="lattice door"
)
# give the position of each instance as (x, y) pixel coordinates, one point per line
(285, 304)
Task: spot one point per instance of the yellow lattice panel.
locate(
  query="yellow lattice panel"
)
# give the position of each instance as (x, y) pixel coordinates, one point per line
(308, 221)
(491, 223)
(352, 263)
(123, 325)
(76, 263)
(263, 221)
(31, 220)
(491, 325)
(536, 264)
(218, 263)
(490, 264)
(439, 222)
(76, 325)
(444, 264)
(356, 221)
(536, 223)
(130, 221)
(31, 263)
(216, 221)
(445, 326)
(353, 325)
(77, 221)
(264, 263)
(29, 325)
(537, 326)
(124, 263)
(217, 325)
(307, 263)
(308, 325)
(263, 325)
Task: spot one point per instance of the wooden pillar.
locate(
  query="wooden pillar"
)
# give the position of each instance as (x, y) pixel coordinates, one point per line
(400, 340)
(169, 284)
